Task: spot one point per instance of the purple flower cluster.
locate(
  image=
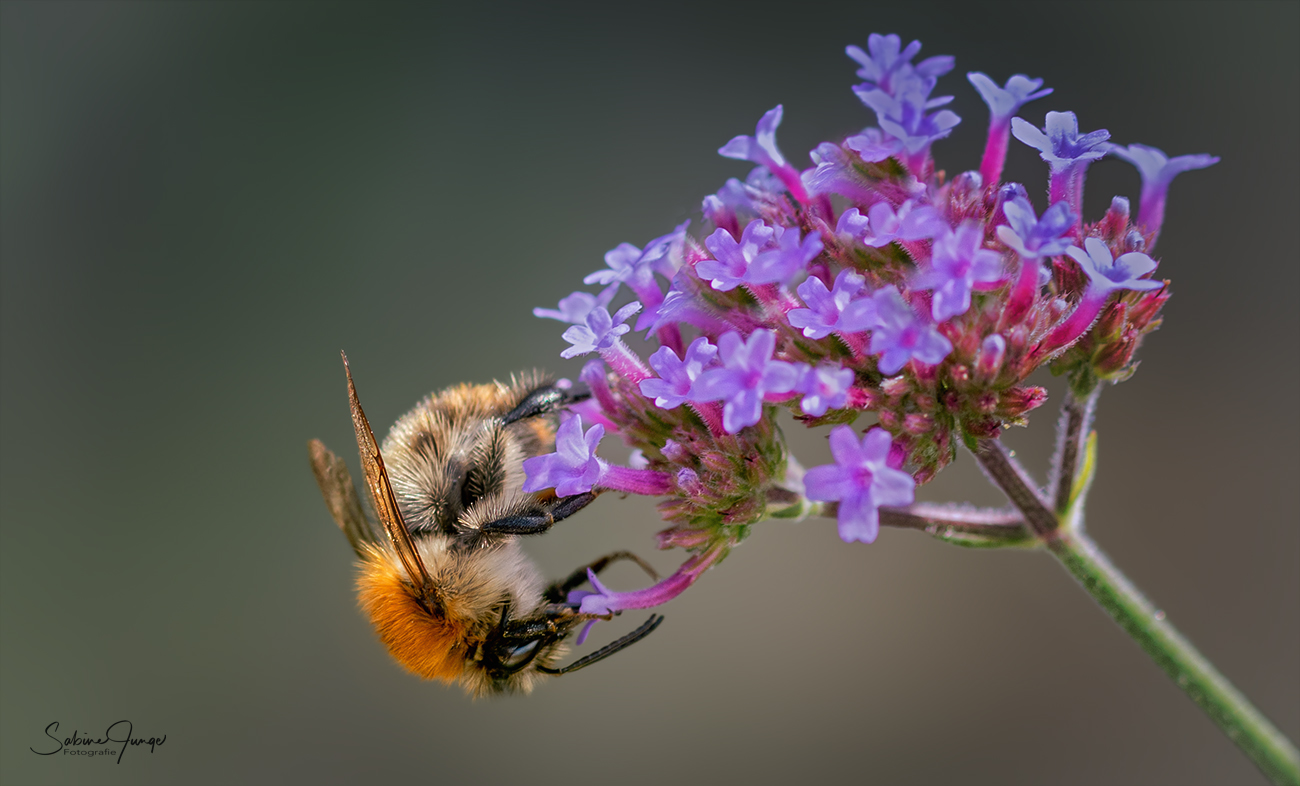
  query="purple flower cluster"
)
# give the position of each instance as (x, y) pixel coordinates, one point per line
(867, 282)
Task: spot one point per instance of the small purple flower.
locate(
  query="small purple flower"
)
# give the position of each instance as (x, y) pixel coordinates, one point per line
(885, 63)
(784, 257)
(835, 171)
(1108, 274)
(573, 468)
(764, 255)
(1004, 102)
(747, 374)
(872, 145)
(627, 264)
(677, 375)
(730, 265)
(1066, 152)
(607, 601)
(824, 387)
(861, 480)
(575, 308)
(826, 311)
(883, 226)
(600, 331)
(958, 264)
(904, 118)
(1158, 171)
(900, 334)
(1059, 141)
(1105, 276)
(1032, 237)
(761, 149)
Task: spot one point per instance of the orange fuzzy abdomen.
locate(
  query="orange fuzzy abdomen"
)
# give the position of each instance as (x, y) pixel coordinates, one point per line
(426, 644)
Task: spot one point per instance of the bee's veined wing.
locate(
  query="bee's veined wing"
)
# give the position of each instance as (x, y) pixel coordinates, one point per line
(341, 496)
(381, 494)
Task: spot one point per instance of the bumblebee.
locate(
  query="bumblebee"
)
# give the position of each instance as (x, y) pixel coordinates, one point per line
(442, 576)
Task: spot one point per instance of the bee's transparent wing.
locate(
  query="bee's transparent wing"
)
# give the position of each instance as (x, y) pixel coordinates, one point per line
(381, 494)
(341, 496)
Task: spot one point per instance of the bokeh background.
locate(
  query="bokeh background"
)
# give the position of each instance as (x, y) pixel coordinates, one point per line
(204, 202)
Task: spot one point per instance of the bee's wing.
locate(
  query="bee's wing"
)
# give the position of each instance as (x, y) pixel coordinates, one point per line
(341, 496)
(381, 494)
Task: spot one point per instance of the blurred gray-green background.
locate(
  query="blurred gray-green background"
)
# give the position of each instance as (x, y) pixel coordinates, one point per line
(202, 203)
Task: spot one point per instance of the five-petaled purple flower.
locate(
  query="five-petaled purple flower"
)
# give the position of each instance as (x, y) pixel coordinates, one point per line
(959, 264)
(882, 225)
(764, 255)
(1158, 171)
(833, 310)
(900, 334)
(1003, 104)
(861, 480)
(575, 308)
(601, 330)
(1105, 276)
(573, 468)
(1066, 152)
(824, 387)
(1059, 142)
(885, 66)
(747, 374)
(1108, 274)
(677, 375)
(904, 118)
(761, 149)
(1032, 237)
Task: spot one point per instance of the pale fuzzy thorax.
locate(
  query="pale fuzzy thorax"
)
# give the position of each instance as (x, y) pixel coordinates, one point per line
(470, 589)
(453, 441)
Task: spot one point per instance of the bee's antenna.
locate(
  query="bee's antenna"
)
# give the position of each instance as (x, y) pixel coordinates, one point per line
(609, 649)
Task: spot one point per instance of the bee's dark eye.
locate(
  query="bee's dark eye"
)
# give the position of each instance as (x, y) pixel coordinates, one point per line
(519, 655)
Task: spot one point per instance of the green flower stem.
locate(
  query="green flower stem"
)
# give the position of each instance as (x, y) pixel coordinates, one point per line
(1076, 420)
(1232, 712)
(1175, 655)
(958, 525)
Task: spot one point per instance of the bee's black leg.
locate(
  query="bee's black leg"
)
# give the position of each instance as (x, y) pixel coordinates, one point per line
(559, 591)
(537, 523)
(546, 399)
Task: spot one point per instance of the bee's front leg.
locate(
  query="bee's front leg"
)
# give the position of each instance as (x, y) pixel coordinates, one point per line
(534, 523)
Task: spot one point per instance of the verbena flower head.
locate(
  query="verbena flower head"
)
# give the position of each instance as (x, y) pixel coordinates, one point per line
(870, 283)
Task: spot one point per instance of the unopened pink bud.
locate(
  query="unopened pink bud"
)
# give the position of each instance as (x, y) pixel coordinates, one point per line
(918, 424)
(993, 351)
(895, 388)
(674, 452)
(681, 538)
(688, 483)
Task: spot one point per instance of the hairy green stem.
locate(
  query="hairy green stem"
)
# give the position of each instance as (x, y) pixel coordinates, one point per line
(1076, 421)
(1063, 535)
(1246, 726)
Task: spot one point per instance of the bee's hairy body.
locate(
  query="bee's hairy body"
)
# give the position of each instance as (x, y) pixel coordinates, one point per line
(442, 577)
